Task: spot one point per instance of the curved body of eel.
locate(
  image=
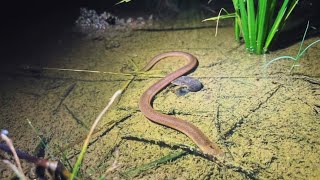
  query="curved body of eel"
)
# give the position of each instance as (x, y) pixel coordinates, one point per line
(197, 136)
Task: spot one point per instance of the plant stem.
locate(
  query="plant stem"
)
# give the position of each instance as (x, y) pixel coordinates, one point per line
(251, 25)
(86, 142)
(237, 21)
(261, 25)
(244, 23)
(275, 27)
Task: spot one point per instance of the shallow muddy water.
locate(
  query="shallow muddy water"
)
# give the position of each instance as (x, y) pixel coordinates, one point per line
(266, 119)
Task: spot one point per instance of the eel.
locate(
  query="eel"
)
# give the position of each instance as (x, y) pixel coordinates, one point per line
(208, 147)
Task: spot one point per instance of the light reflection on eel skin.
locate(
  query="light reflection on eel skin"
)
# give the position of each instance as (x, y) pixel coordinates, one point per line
(198, 137)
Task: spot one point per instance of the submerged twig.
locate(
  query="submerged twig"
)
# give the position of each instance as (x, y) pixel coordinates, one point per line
(17, 170)
(54, 166)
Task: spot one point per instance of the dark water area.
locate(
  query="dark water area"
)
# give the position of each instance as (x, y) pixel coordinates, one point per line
(35, 25)
(32, 29)
(307, 10)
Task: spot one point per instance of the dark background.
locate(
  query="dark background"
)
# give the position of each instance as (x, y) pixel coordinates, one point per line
(32, 25)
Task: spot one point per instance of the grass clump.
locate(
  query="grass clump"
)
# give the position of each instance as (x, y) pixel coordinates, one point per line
(86, 142)
(299, 54)
(258, 22)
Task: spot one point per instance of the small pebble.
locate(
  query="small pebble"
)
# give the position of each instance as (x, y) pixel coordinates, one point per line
(4, 131)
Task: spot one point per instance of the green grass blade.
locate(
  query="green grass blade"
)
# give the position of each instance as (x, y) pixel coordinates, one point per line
(271, 11)
(236, 6)
(236, 30)
(279, 58)
(244, 23)
(275, 27)
(237, 21)
(251, 25)
(292, 6)
(78, 163)
(290, 9)
(231, 15)
(37, 131)
(304, 36)
(295, 59)
(308, 47)
(262, 15)
(290, 57)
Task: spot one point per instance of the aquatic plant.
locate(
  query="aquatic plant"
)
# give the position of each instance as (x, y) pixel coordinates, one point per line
(17, 169)
(54, 166)
(258, 22)
(86, 142)
(299, 54)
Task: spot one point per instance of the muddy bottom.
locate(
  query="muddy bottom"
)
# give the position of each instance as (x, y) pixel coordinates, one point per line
(266, 119)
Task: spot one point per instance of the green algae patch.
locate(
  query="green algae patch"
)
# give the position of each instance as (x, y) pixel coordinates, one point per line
(266, 120)
(168, 158)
